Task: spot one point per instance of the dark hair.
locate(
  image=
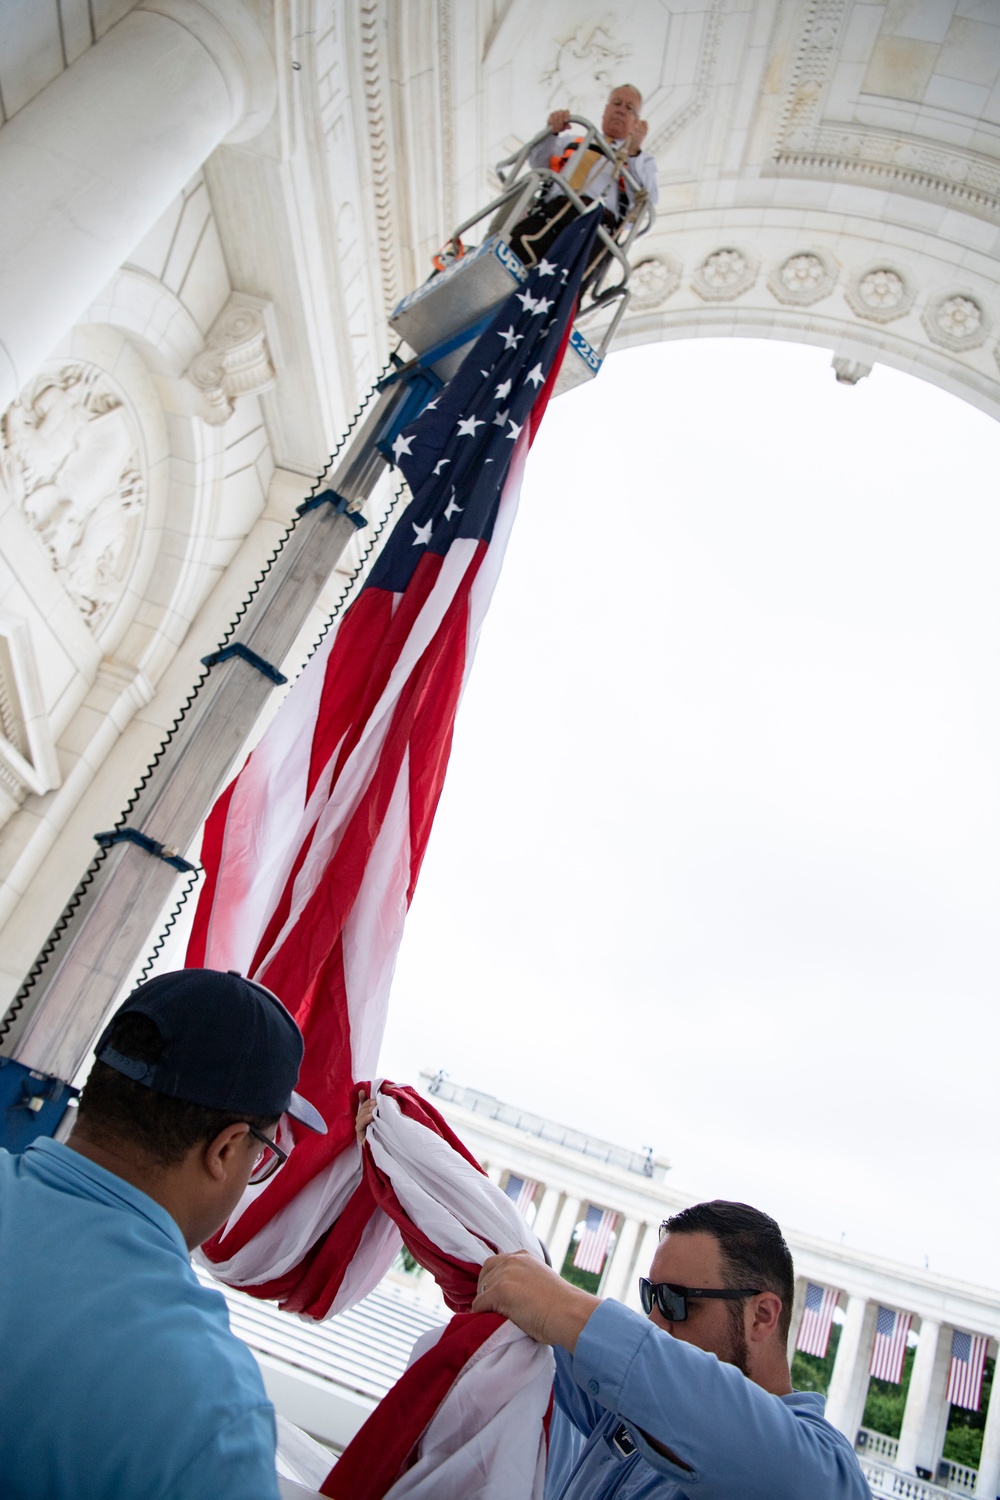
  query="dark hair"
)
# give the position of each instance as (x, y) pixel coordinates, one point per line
(117, 1111)
(754, 1252)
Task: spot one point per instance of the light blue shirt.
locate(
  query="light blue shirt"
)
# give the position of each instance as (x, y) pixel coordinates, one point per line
(740, 1442)
(119, 1377)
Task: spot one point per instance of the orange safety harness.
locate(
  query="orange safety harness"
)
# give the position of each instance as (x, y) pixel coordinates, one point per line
(588, 160)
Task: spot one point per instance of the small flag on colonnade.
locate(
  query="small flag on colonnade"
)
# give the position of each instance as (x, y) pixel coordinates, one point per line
(890, 1345)
(592, 1246)
(522, 1191)
(965, 1376)
(817, 1319)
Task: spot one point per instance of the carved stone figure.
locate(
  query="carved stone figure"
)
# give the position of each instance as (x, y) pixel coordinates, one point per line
(587, 66)
(70, 459)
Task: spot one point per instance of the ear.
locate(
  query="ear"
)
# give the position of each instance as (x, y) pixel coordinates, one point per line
(226, 1152)
(766, 1317)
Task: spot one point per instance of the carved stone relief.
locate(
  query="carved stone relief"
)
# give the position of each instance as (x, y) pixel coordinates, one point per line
(654, 280)
(725, 275)
(956, 320)
(586, 68)
(849, 371)
(236, 360)
(803, 278)
(71, 459)
(810, 145)
(880, 294)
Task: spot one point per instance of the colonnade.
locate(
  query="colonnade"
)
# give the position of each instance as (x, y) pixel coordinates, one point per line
(926, 1413)
(559, 1208)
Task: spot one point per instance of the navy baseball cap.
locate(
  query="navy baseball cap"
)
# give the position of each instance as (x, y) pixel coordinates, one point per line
(229, 1044)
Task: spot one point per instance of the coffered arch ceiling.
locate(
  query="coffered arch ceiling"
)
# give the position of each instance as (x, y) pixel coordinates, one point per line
(830, 169)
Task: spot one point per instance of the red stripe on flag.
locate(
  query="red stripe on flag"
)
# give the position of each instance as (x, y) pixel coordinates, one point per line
(212, 841)
(378, 1453)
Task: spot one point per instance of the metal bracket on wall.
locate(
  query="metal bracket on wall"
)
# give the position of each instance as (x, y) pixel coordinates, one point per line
(151, 846)
(237, 648)
(339, 503)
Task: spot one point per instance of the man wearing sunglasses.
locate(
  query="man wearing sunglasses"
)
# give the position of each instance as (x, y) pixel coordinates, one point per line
(694, 1399)
(120, 1376)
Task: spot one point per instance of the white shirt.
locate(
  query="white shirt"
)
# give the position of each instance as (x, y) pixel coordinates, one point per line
(602, 180)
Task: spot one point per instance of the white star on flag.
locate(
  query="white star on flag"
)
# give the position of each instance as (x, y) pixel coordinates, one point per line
(515, 431)
(401, 446)
(510, 338)
(546, 268)
(503, 389)
(440, 464)
(500, 419)
(541, 306)
(527, 301)
(452, 508)
(535, 375)
(467, 426)
(423, 533)
(432, 405)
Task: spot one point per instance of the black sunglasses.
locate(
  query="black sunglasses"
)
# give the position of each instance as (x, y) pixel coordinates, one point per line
(672, 1300)
(269, 1158)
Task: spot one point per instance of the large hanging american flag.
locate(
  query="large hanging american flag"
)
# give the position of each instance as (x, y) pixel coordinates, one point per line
(313, 852)
(817, 1319)
(592, 1246)
(889, 1349)
(965, 1373)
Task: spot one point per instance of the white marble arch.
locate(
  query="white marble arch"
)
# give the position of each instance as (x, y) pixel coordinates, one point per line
(862, 134)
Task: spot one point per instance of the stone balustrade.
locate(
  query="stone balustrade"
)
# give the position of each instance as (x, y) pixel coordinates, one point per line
(884, 1480)
(877, 1445)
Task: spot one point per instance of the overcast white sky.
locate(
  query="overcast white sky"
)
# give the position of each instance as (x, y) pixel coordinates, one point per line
(717, 865)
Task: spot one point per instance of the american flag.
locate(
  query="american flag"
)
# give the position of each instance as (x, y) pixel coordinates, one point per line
(817, 1319)
(311, 857)
(522, 1190)
(313, 852)
(965, 1376)
(889, 1348)
(592, 1246)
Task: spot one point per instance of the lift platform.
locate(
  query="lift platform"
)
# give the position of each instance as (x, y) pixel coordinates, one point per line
(440, 319)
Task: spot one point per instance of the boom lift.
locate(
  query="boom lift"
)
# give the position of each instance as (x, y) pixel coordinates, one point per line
(101, 937)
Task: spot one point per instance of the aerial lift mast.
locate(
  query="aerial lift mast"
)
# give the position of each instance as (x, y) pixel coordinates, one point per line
(50, 1026)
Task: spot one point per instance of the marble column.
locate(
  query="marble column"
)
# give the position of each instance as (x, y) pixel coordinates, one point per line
(988, 1483)
(845, 1401)
(570, 1213)
(89, 165)
(545, 1214)
(923, 1399)
(798, 1308)
(648, 1242)
(619, 1275)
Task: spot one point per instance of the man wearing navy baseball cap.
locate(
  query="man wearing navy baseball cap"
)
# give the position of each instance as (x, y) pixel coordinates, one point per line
(120, 1376)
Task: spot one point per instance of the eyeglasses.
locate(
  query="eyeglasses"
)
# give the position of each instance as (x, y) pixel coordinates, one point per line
(672, 1300)
(269, 1159)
